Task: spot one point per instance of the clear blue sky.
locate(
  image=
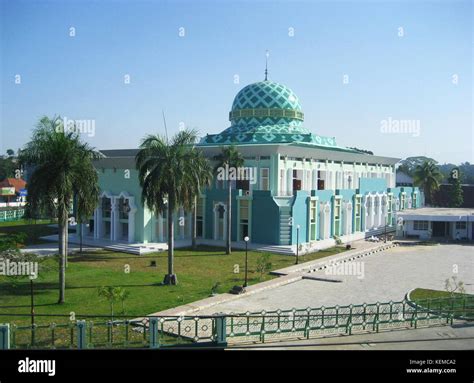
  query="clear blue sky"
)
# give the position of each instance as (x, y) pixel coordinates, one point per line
(191, 78)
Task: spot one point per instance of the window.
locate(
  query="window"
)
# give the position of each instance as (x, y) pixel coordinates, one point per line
(106, 207)
(124, 208)
(264, 179)
(242, 184)
(357, 213)
(312, 219)
(420, 225)
(321, 178)
(337, 216)
(200, 218)
(413, 205)
(461, 225)
(244, 217)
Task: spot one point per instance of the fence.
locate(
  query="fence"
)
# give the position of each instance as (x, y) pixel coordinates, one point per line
(220, 329)
(11, 214)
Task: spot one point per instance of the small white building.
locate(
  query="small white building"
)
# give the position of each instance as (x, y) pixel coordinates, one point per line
(431, 222)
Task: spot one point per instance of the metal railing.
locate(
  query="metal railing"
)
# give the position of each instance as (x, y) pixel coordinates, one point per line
(7, 215)
(220, 329)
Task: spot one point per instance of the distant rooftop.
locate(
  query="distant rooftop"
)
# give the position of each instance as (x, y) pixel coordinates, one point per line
(438, 212)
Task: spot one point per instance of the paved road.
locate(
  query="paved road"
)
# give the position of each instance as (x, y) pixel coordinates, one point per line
(458, 337)
(387, 276)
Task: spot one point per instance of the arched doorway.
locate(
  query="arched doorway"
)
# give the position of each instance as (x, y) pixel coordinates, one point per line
(220, 221)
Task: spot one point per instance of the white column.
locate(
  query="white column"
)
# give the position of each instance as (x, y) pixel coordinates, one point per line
(289, 181)
(348, 218)
(379, 210)
(282, 185)
(315, 179)
(97, 222)
(366, 223)
(131, 225)
(114, 217)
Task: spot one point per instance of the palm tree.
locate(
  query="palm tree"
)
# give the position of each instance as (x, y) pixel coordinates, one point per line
(428, 177)
(122, 295)
(111, 294)
(229, 157)
(205, 177)
(86, 202)
(63, 169)
(171, 175)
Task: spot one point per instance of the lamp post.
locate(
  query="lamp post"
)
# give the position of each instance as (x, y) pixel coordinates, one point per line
(246, 239)
(297, 243)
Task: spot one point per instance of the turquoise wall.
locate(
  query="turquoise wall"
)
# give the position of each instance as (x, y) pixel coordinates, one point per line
(300, 216)
(265, 218)
(372, 185)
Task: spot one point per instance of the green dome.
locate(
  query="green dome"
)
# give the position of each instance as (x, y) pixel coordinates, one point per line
(265, 112)
(266, 94)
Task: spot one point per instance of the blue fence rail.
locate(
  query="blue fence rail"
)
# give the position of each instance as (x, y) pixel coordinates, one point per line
(220, 329)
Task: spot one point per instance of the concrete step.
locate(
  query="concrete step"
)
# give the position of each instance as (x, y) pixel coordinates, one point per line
(277, 249)
(130, 249)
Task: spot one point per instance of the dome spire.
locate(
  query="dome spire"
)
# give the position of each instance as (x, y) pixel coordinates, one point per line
(266, 65)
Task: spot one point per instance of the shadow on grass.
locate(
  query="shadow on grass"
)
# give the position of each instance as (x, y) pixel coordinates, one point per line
(23, 288)
(91, 257)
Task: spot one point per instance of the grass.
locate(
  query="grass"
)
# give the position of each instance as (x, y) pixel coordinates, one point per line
(25, 222)
(33, 229)
(459, 304)
(197, 272)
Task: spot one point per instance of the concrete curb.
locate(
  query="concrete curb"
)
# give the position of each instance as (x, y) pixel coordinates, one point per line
(226, 297)
(312, 266)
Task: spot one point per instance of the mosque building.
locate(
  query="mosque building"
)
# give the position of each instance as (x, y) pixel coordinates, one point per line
(304, 188)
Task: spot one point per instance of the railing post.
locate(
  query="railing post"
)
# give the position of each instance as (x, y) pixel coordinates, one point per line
(153, 329)
(221, 336)
(4, 336)
(81, 334)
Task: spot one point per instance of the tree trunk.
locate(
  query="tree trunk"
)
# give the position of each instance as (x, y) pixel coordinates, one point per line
(80, 240)
(170, 278)
(194, 224)
(229, 217)
(62, 221)
(66, 240)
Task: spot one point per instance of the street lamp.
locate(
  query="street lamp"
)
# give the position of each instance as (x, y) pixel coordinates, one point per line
(246, 239)
(297, 243)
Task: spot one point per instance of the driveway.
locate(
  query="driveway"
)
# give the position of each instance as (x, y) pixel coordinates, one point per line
(386, 276)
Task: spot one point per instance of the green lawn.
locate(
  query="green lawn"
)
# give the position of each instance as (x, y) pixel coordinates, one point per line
(460, 304)
(33, 229)
(25, 222)
(197, 272)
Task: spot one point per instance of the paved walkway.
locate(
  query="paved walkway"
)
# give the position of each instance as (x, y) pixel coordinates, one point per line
(289, 275)
(387, 275)
(383, 276)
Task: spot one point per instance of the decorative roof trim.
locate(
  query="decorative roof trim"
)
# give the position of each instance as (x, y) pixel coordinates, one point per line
(266, 112)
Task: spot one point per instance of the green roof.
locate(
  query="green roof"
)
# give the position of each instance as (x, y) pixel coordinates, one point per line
(267, 112)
